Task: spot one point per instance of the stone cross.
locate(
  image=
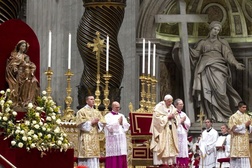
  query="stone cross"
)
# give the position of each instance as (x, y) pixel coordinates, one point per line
(183, 19)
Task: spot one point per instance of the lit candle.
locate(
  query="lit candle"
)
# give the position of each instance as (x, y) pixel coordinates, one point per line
(50, 49)
(154, 59)
(107, 54)
(143, 63)
(149, 53)
(69, 51)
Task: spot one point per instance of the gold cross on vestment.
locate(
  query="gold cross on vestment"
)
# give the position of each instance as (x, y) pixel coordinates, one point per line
(98, 45)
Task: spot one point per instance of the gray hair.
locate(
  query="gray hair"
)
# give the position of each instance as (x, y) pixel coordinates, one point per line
(168, 97)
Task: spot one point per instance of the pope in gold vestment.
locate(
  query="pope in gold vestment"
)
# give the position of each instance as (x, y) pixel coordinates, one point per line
(164, 143)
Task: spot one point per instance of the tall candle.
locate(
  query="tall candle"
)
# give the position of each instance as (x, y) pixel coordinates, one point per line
(154, 59)
(49, 49)
(143, 62)
(69, 51)
(107, 54)
(149, 54)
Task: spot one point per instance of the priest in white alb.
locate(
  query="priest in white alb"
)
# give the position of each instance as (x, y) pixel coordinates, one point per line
(207, 146)
(116, 141)
(183, 128)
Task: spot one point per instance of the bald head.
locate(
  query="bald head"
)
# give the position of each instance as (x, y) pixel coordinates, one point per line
(116, 106)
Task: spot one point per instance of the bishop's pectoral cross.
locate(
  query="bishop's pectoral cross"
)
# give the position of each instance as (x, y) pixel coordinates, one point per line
(183, 19)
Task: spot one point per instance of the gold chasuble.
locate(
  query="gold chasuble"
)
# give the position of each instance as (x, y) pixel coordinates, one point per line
(164, 131)
(239, 141)
(89, 145)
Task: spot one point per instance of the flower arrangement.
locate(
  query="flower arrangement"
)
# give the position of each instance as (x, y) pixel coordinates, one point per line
(7, 114)
(39, 129)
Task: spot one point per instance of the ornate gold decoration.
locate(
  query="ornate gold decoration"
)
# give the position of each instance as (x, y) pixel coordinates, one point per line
(72, 132)
(49, 74)
(98, 46)
(148, 94)
(143, 93)
(106, 100)
(68, 113)
(201, 115)
(153, 91)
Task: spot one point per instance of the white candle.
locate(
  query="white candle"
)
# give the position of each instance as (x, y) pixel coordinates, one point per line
(107, 54)
(154, 59)
(69, 51)
(149, 54)
(49, 49)
(143, 63)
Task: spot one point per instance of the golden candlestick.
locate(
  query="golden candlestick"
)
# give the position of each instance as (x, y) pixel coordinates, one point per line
(106, 100)
(49, 74)
(143, 94)
(153, 91)
(98, 46)
(148, 94)
(68, 112)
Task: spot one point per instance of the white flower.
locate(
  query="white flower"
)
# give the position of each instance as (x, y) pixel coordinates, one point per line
(37, 114)
(14, 113)
(48, 118)
(43, 92)
(32, 145)
(13, 143)
(36, 126)
(38, 108)
(7, 109)
(24, 138)
(59, 142)
(32, 131)
(40, 123)
(43, 128)
(49, 136)
(20, 144)
(5, 118)
(40, 134)
(53, 117)
(17, 131)
(22, 132)
(2, 92)
(30, 105)
(2, 102)
(44, 98)
(48, 129)
(27, 122)
(34, 122)
(35, 136)
(61, 138)
(9, 102)
(57, 130)
(8, 90)
(29, 138)
(58, 121)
